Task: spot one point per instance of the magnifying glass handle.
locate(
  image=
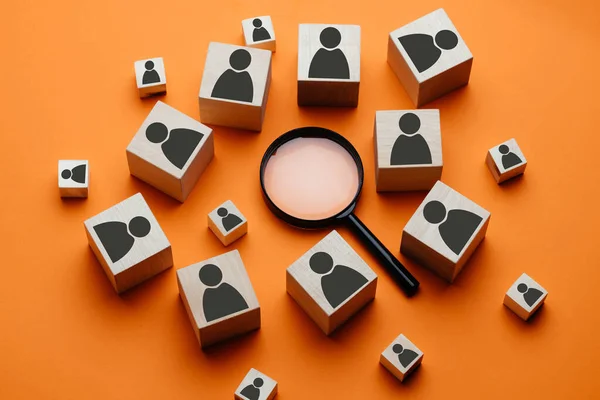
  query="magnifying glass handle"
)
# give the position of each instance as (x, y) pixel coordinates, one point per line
(407, 282)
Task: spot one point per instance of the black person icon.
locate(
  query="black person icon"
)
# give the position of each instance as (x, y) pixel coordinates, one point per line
(531, 295)
(424, 51)
(150, 75)
(509, 159)
(252, 392)
(260, 32)
(458, 227)
(180, 144)
(229, 220)
(405, 356)
(329, 62)
(220, 299)
(410, 148)
(77, 174)
(117, 237)
(235, 83)
(340, 282)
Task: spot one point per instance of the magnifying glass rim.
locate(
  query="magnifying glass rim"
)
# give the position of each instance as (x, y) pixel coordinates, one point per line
(312, 132)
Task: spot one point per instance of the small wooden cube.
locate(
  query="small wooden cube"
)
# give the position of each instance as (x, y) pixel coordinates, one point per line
(73, 178)
(129, 243)
(408, 150)
(170, 151)
(150, 77)
(256, 386)
(328, 65)
(235, 86)
(259, 33)
(444, 231)
(525, 297)
(330, 282)
(429, 57)
(506, 161)
(227, 223)
(219, 298)
(401, 357)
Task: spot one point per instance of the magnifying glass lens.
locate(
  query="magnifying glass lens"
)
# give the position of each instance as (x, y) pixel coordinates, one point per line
(311, 178)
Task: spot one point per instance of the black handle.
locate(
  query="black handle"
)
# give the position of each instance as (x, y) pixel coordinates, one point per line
(403, 278)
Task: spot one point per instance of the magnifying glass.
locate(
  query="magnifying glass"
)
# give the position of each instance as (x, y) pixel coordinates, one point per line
(311, 178)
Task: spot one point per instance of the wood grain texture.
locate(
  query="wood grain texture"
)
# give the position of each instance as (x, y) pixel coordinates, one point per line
(248, 30)
(389, 359)
(150, 89)
(215, 224)
(493, 160)
(268, 390)
(149, 255)
(68, 187)
(515, 301)
(406, 177)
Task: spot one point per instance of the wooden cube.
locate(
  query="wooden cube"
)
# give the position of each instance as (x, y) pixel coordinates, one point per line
(259, 33)
(129, 243)
(525, 297)
(429, 57)
(444, 231)
(408, 150)
(170, 151)
(235, 86)
(401, 357)
(328, 65)
(219, 298)
(73, 178)
(330, 282)
(256, 386)
(227, 223)
(150, 77)
(506, 161)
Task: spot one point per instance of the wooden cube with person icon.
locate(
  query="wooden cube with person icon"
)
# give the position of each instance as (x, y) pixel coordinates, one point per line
(506, 161)
(328, 65)
(150, 77)
(256, 386)
(331, 282)
(227, 223)
(219, 298)
(235, 86)
(525, 297)
(429, 57)
(73, 178)
(444, 231)
(259, 33)
(408, 150)
(401, 357)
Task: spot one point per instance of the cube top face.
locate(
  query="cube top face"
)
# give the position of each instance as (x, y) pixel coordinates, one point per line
(217, 289)
(73, 173)
(258, 29)
(527, 293)
(329, 53)
(331, 272)
(235, 74)
(407, 139)
(150, 72)
(127, 234)
(169, 139)
(227, 217)
(402, 354)
(431, 45)
(507, 156)
(256, 386)
(447, 222)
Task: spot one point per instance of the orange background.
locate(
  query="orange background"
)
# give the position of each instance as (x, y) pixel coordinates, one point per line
(69, 92)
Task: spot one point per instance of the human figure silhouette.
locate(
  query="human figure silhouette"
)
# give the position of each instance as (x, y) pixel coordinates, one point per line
(329, 62)
(509, 159)
(458, 227)
(410, 148)
(339, 284)
(150, 75)
(260, 32)
(531, 295)
(77, 174)
(235, 83)
(252, 392)
(229, 220)
(424, 50)
(405, 356)
(222, 300)
(117, 237)
(180, 144)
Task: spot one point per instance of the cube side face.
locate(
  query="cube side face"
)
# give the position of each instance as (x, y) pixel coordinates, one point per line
(491, 164)
(403, 363)
(525, 296)
(144, 270)
(229, 328)
(100, 257)
(197, 166)
(153, 80)
(262, 37)
(402, 70)
(444, 83)
(154, 176)
(506, 165)
(188, 309)
(427, 257)
(307, 302)
(328, 93)
(73, 178)
(267, 391)
(229, 114)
